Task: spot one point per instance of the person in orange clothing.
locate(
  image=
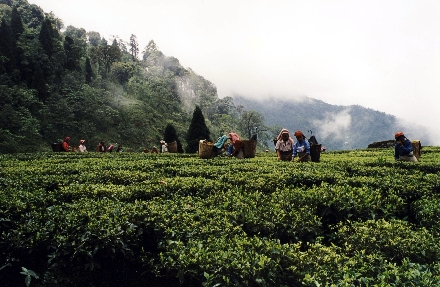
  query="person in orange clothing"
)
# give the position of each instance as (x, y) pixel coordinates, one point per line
(65, 146)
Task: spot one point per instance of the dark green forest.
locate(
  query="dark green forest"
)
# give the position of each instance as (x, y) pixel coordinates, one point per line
(57, 81)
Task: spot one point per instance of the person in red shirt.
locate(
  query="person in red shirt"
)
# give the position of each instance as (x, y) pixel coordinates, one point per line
(238, 145)
(65, 146)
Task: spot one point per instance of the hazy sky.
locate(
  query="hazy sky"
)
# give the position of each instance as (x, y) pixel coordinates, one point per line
(383, 55)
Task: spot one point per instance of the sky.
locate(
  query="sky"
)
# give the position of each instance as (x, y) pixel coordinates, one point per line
(383, 55)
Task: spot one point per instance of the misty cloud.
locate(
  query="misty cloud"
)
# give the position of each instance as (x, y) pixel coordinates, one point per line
(334, 125)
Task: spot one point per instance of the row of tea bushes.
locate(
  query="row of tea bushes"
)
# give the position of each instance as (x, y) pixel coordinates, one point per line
(357, 218)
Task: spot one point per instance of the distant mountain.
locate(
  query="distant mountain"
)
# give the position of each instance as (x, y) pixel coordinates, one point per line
(336, 127)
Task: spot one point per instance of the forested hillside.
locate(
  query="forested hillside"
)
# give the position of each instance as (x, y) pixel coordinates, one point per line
(57, 81)
(336, 127)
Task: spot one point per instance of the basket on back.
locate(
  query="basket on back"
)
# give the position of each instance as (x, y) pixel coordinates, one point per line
(249, 148)
(205, 149)
(172, 147)
(315, 152)
(417, 147)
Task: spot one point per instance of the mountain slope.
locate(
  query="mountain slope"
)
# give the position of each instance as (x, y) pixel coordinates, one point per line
(336, 127)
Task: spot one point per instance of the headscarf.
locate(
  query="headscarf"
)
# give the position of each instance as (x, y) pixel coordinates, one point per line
(398, 134)
(221, 141)
(234, 137)
(298, 133)
(285, 131)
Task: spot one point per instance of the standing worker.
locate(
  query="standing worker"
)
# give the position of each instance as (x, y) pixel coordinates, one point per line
(403, 149)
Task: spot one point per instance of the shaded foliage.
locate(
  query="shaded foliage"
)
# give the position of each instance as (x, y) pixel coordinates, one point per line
(197, 131)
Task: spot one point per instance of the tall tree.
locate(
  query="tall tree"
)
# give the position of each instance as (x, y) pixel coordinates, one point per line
(89, 71)
(251, 123)
(197, 131)
(170, 134)
(46, 37)
(134, 47)
(149, 49)
(7, 57)
(94, 38)
(73, 54)
(16, 24)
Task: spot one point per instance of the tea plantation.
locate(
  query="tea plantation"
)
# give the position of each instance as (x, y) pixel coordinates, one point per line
(356, 218)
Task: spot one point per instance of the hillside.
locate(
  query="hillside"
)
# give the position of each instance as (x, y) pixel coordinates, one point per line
(336, 127)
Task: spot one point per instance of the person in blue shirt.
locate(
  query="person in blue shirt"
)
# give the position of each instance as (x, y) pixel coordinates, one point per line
(403, 149)
(301, 149)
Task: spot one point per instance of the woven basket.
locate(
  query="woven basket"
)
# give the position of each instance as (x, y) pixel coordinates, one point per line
(172, 147)
(417, 146)
(249, 148)
(205, 149)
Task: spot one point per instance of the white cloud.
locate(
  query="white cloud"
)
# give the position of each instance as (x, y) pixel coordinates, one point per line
(334, 125)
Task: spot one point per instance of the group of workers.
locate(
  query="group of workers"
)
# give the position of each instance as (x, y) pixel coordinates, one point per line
(289, 150)
(102, 147)
(286, 148)
(233, 148)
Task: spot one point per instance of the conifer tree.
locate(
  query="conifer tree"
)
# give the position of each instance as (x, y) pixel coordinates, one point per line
(197, 131)
(16, 23)
(89, 71)
(170, 135)
(7, 59)
(134, 47)
(46, 37)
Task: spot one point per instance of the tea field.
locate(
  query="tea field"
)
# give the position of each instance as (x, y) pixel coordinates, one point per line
(356, 218)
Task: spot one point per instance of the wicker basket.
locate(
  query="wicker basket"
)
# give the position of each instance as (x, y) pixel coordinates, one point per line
(172, 147)
(249, 148)
(417, 146)
(205, 149)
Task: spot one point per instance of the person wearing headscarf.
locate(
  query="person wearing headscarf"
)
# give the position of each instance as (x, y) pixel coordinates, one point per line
(82, 147)
(65, 146)
(237, 145)
(219, 145)
(284, 145)
(403, 149)
(164, 146)
(301, 148)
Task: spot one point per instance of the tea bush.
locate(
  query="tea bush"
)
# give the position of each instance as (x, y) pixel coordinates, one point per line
(357, 218)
